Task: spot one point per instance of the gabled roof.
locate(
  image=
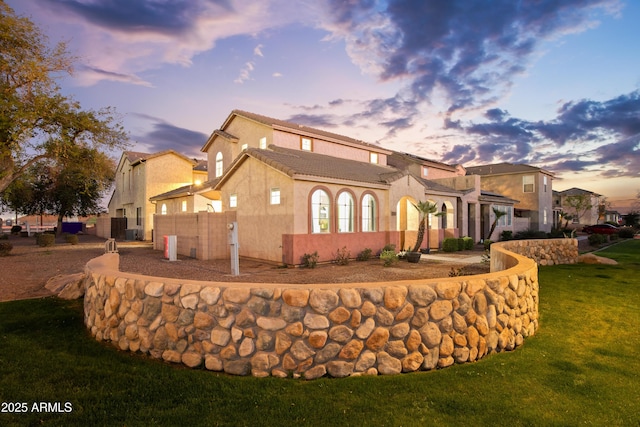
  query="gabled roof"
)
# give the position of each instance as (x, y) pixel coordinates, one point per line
(286, 126)
(136, 157)
(576, 192)
(303, 164)
(504, 169)
(401, 160)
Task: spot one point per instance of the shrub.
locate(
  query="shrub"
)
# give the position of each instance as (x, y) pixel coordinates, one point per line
(450, 244)
(71, 238)
(4, 236)
(530, 234)
(506, 235)
(388, 257)
(16, 229)
(342, 256)
(45, 239)
(626, 233)
(468, 243)
(5, 248)
(460, 244)
(365, 255)
(597, 239)
(310, 260)
(389, 247)
(487, 243)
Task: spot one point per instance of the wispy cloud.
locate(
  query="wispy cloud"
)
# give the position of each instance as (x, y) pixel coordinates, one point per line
(164, 136)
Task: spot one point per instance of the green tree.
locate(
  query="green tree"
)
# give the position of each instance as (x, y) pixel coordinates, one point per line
(73, 186)
(424, 210)
(36, 121)
(498, 214)
(579, 204)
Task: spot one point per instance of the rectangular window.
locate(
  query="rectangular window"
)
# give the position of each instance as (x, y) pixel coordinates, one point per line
(425, 171)
(306, 144)
(275, 196)
(184, 206)
(528, 185)
(544, 179)
(233, 201)
(373, 158)
(505, 220)
(544, 214)
(263, 142)
(138, 216)
(244, 146)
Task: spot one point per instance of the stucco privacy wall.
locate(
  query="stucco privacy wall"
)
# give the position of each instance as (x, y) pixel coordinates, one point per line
(312, 330)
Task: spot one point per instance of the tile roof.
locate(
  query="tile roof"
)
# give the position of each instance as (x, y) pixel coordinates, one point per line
(503, 168)
(296, 163)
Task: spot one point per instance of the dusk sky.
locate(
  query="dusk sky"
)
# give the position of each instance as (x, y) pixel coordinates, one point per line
(554, 84)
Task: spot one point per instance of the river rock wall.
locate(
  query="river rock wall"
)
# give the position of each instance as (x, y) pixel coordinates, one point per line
(310, 331)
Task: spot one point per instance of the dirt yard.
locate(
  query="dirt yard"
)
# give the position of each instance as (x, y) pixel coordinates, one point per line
(28, 267)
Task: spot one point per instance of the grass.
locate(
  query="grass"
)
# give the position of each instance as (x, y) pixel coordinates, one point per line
(581, 368)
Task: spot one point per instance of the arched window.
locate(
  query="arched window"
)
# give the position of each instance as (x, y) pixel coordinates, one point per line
(345, 213)
(368, 213)
(444, 215)
(320, 212)
(219, 165)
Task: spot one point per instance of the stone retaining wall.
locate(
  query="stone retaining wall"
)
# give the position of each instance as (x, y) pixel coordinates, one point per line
(310, 331)
(544, 251)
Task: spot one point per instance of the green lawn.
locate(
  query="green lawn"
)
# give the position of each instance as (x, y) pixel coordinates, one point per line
(582, 368)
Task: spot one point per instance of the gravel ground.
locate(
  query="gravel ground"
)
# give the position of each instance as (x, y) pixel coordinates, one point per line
(25, 271)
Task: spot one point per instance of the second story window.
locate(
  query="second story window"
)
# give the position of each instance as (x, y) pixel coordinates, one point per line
(373, 158)
(263, 142)
(275, 196)
(528, 184)
(306, 144)
(219, 165)
(425, 171)
(233, 201)
(544, 178)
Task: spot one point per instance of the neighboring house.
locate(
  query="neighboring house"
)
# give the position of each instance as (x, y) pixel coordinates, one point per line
(588, 215)
(296, 190)
(529, 185)
(139, 176)
(614, 217)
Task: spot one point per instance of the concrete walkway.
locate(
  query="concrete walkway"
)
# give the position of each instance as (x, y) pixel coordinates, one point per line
(474, 259)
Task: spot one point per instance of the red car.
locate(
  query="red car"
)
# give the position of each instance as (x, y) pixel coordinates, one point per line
(600, 229)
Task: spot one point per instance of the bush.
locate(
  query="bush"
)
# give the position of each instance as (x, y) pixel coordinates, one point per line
(487, 243)
(450, 244)
(365, 255)
(626, 233)
(16, 229)
(4, 236)
(5, 248)
(506, 235)
(468, 243)
(388, 257)
(310, 260)
(71, 238)
(460, 244)
(388, 247)
(530, 234)
(597, 239)
(342, 256)
(45, 239)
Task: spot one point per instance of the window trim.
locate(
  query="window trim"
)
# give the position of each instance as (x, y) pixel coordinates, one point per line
(304, 139)
(312, 218)
(525, 183)
(373, 221)
(219, 165)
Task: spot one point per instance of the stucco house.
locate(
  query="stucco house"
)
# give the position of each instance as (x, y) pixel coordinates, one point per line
(139, 176)
(296, 190)
(529, 185)
(588, 215)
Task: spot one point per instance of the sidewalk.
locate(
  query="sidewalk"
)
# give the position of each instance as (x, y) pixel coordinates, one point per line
(472, 259)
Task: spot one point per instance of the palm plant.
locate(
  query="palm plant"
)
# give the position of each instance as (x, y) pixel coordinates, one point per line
(498, 214)
(424, 209)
